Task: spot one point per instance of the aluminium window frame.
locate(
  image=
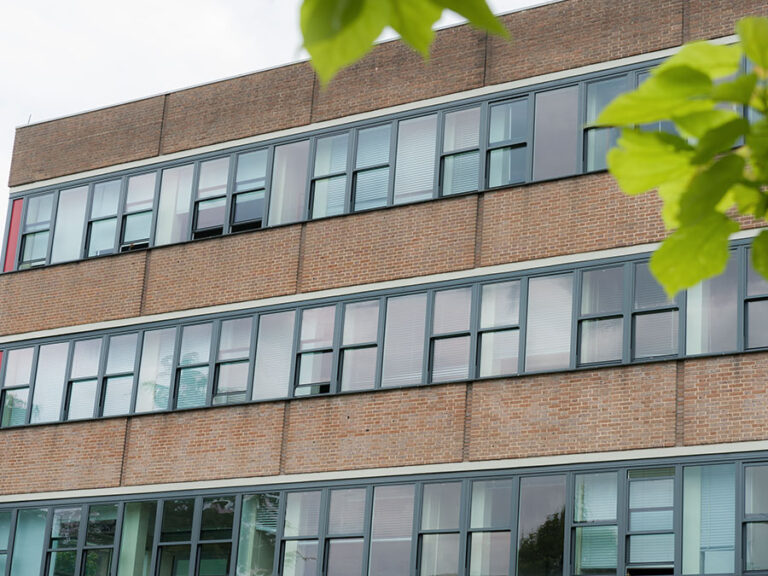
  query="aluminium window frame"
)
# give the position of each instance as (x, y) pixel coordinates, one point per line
(85, 244)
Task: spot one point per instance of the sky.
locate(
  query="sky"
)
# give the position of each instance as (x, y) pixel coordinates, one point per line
(59, 58)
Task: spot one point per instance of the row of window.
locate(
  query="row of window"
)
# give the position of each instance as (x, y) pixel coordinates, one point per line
(531, 136)
(655, 519)
(605, 313)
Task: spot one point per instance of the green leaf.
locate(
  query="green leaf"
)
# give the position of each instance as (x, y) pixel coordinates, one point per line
(714, 60)
(760, 253)
(748, 199)
(670, 192)
(708, 187)
(738, 90)
(413, 20)
(754, 39)
(693, 253)
(697, 124)
(757, 140)
(645, 160)
(720, 139)
(478, 13)
(676, 91)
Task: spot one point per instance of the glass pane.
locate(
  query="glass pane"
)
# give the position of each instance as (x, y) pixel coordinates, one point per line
(371, 189)
(213, 178)
(249, 206)
(460, 173)
(62, 563)
(601, 340)
(177, 520)
(193, 385)
(651, 493)
(302, 514)
(550, 304)
(361, 322)
(195, 344)
(317, 328)
(315, 367)
(39, 210)
(450, 359)
(757, 324)
(155, 370)
(137, 535)
(507, 166)
(106, 196)
(251, 171)
(440, 506)
(82, 397)
(345, 557)
(709, 511)
(373, 146)
(65, 527)
(19, 367)
(29, 542)
(656, 548)
(602, 290)
(5, 528)
(489, 554)
(35, 247)
(214, 559)
(15, 407)
(391, 529)
(648, 292)
(117, 395)
(289, 183)
(756, 284)
(102, 520)
(757, 552)
(556, 134)
(499, 352)
(173, 561)
(3, 562)
(656, 334)
(137, 227)
(173, 209)
(70, 220)
(358, 368)
(274, 350)
(102, 237)
(509, 121)
(452, 310)
(595, 498)
(258, 525)
(756, 490)
(235, 339)
(599, 142)
(594, 550)
(49, 382)
(439, 555)
(233, 378)
(331, 155)
(462, 130)
(97, 562)
(85, 358)
(347, 510)
(712, 313)
(328, 196)
(211, 213)
(404, 340)
(647, 520)
(300, 558)
(500, 304)
(491, 504)
(415, 172)
(217, 518)
(541, 526)
(141, 193)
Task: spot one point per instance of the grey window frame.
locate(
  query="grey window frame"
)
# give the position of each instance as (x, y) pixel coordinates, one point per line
(486, 148)
(117, 217)
(211, 231)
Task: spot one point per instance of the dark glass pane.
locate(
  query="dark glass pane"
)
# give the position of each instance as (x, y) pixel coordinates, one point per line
(218, 517)
(331, 155)
(347, 510)
(757, 552)
(757, 324)
(500, 304)
(415, 167)
(62, 563)
(82, 397)
(213, 178)
(594, 550)
(137, 535)
(461, 130)
(373, 146)
(65, 527)
(358, 368)
(509, 121)
(439, 555)
(361, 322)
(548, 341)
(712, 313)
(489, 554)
(105, 199)
(97, 562)
(315, 368)
(235, 339)
(595, 498)
(345, 557)
(450, 359)
(507, 166)
(491, 504)
(177, 520)
(499, 352)
(289, 183)
(440, 506)
(137, 227)
(391, 530)
(302, 514)
(141, 193)
(460, 173)
(541, 526)
(648, 292)
(29, 542)
(258, 525)
(49, 382)
(117, 395)
(601, 340)
(300, 558)
(328, 196)
(274, 348)
(404, 340)
(556, 133)
(210, 213)
(249, 206)
(18, 369)
(214, 559)
(756, 490)
(85, 359)
(317, 328)
(452, 310)
(173, 561)
(251, 171)
(15, 407)
(102, 237)
(70, 220)
(371, 188)
(656, 334)
(193, 386)
(232, 383)
(102, 519)
(195, 344)
(602, 290)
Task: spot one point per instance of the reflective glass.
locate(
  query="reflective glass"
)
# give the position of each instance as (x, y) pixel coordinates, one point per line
(491, 504)
(440, 506)
(5, 528)
(595, 550)
(595, 498)
(461, 130)
(217, 518)
(137, 536)
(648, 292)
(656, 334)
(331, 155)
(211, 213)
(249, 206)
(62, 563)
(102, 237)
(317, 327)
(300, 558)
(345, 557)
(65, 527)
(106, 196)
(137, 227)
(415, 167)
(315, 368)
(195, 344)
(102, 520)
(141, 193)
(85, 358)
(82, 397)
(647, 520)
(122, 353)
(29, 541)
(601, 340)
(756, 284)
(599, 141)
(756, 551)
(359, 368)
(500, 304)
(371, 188)
(556, 133)
(328, 196)
(361, 322)
(602, 290)
(155, 370)
(274, 348)
(97, 562)
(450, 359)
(347, 511)
(35, 247)
(214, 559)
(235, 339)
(460, 173)
(193, 386)
(251, 171)
(70, 220)
(117, 395)
(757, 324)
(39, 210)
(509, 122)
(439, 555)
(452, 309)
(258, 525)
(507, 166)
(213, 178)
(499, 352)
(302, 514)
(541, 526)
(489, 554)
(173, 208)
(173, 561)
(232, 383)
(652, 548)
(18, 370)
(49, 382)
(177, 520)
(289, 183)
(15, 407)
(756, 490)
(711, 308)
(391, 530)
(404, 340)
(373, 146)
(548, 341)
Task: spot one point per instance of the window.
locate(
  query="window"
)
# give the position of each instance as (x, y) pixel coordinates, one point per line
(211, 198)
(118, 375)
(439, 534)
(83, 381)
(258, 533)
(62, 545)
(300, 549)
(507, 143)
(102, 227)
(597, 141)
(655, 317)
(174, 548)
(214, 550)
(138, 536)
(232, 361)
(192, 371)
(371, 176)
(359, 346)
(499, 328)
(594, 524)
(274, 353)
(329, 182)
(651, 540)
(137, 212)
(50, 378)
(18, 377)
(155, 370)
(601, 323)
(315, 354)
(99, 550)
(711, 309)
(415, 167)
(460, 162)
(173, 208)
(548, 340)
(5, 533)
(541, 526)
(344, 546)
(249, 195)
(29, 541)
(756, 308)
(490, 527)
(288, 197)
(70, 220)
(450, 342)
(36, 231)
(556, 133)
(391, 530)
(756, 517)
(404, 340)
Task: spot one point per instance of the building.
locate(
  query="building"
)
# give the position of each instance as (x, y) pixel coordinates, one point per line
(399, 326)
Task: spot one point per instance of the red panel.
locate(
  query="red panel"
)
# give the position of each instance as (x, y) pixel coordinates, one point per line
(13, 236)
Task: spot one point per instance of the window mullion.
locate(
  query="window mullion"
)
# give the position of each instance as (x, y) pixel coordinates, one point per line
(64, 406)
(155, 206)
